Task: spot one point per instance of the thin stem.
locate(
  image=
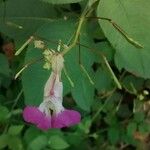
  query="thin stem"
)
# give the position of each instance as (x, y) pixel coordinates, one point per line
(86, 73)
(85, 13)
(107, 65)
(24, 45)
(30, 18)
(4, 12)
(112, 73)
(76, 36)
(69, 79)
(12, 108)
(12, 24)
(16, 100)
(99, 110)
(27, 65)
(123, 33)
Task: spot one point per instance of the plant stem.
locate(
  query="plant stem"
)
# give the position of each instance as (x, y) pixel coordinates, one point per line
(85, 14)
(122, 32)
(112, 73)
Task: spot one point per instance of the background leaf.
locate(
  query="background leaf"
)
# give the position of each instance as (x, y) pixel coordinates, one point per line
(26, 13)
(127, 15)
(4, 67)
(57, 142)
(33, 85)
(61, 1)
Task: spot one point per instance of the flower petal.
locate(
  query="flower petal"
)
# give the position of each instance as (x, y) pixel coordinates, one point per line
(53, 86)
(33, 115)
(49, 85)
(45, 123)
(65, 118)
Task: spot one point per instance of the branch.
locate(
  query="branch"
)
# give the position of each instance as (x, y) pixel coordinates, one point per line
(121, 31)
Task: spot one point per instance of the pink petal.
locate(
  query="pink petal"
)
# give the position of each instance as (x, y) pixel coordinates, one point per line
(33, 115)
(66, 118)
(45, 123)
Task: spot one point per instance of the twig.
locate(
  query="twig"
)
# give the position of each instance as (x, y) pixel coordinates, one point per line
(123, 33)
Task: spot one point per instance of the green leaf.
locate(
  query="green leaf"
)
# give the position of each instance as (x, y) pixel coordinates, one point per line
(35, 77)
(124, 111)
(56, 142)
(85, 125)
(131, 128)
(144, 127)
(30, 134)
(4, 67)
(61, 1)
(15, 129)
(75, 138)
(4, 112)
(103, 81)
(4, 138)
(129, 15)
(139, 117)
(15, 143)
(113, 135)
(83, 93)
(131, 82)
(38, 143)
(20, 25)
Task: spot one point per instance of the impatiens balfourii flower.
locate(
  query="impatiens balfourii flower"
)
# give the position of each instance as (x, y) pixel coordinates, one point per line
(51, 113)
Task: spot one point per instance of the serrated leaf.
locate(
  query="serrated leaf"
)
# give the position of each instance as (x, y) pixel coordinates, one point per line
(56, 142)
(126, 14)
(61, 1)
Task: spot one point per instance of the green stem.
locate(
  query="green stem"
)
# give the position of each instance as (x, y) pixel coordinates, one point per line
(121, 31)
(85, 14)
(69, 79)
(24, 45)
(76, 36)
(112, 73)
(99, 110)
(86, 73)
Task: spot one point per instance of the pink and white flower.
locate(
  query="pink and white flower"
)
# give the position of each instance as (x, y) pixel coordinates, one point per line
(51, 113)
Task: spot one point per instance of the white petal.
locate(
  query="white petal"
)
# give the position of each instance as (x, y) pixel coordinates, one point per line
(49, 84)
(53, 85)
(57, 103)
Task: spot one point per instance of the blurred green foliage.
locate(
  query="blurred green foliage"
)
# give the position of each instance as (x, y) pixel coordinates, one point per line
(112, 118)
